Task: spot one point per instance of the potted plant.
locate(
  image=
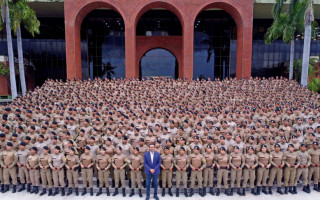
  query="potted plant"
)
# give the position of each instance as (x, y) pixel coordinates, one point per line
(4, 73)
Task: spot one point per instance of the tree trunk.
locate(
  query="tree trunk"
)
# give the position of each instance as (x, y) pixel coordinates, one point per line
(21, 65)
(306, 46)
(291, 60)
(10, 55)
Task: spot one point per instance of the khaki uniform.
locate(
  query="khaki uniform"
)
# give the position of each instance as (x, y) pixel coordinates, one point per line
(252, 161)
(292, 159)
(135, 162)
(33, 163)
(196, 161)
(181, 162)
(305, 159)
(263, 172)
(276, 159)
(55, 161)
(222, 173)
(46, 175)
(119, 174)
(208, 172)
(87, 171)
(104, 163)
(167, 163)
(22, 170)
(72, 173)
(9, 159)
(236, 160)
(314, 170)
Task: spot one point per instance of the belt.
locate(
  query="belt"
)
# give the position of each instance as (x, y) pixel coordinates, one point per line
(223, 167)
(208, 166)
(87, 168)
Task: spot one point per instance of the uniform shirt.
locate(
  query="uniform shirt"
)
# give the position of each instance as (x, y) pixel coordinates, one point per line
(222, 160)
(33, 161)
(23, 156)
(291, 158)
(276, 158)
(305, 158)
(181, 161)
(236, 160)
(263, 158)
(251, 160)
(166, 161)
(57, 160)
(119, 161)
(210, 157)
(103, 161)
(44, 160)
(8, 158)
(314, 154)
(135, 161)
(86, 159)
(72, 161)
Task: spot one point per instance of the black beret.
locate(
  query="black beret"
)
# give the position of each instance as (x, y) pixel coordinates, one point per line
(9, 144)
(46, 148)
(57, 147)
(197, 147)
(88, 148)
(34, 148)
(103, 148)
(23, 144)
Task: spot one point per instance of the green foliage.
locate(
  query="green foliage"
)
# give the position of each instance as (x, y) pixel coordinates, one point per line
(4, 70)
(314, 85)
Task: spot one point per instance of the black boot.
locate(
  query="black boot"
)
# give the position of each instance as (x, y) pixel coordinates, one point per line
(21, 188)
(116, 192)
(132, 193)
(231, 192)
(84, 192)
(285, 190)
(315, 187)
(185, 191)
(264, 191)
(28, 187)
(279, 190)
(170, 193)
(290, 190)
(218, 192)
(191, 192)
(140, 193)
(56, 191)
(62, 192)
(177, 192)
(100, 192)
(91, 191)
(37, 190)
(200, 192)
(294, 190)
(258, 190)
(211, 191)
(305, 189)
(108, 192)
(270, 190)
(50, 192)
(204, 191)
(77, 191)
(253, 191)
(243, 192)
(308, 188)
(14, 189)
(33, 190)
(227, 192)
(163, 192)
(44, 191)
(123, 192)
(5, 189)
(69, 191)
(239, 192)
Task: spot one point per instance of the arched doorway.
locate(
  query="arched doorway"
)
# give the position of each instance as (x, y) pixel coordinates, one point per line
(158, 63)
(103, 45)
(215, 45)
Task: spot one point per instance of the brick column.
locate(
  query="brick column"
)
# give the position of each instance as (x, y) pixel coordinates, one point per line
(132, 71)
(187, 49)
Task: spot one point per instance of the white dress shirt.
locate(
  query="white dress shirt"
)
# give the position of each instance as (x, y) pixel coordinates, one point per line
(151, 155)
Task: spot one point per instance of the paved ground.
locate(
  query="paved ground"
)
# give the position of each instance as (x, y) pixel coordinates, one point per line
(25, 196)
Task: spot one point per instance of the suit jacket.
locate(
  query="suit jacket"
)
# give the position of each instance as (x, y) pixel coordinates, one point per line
(148, 164)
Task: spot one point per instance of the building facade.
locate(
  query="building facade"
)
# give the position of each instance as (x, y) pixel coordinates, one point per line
(144, 38)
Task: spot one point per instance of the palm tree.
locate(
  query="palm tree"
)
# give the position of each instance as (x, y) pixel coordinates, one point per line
(5, 14)
(307, 42)
(23, 14)
(286, 24)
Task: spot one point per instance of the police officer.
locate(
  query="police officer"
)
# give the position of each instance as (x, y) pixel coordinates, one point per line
(23, 154)
(251, 162)
(292, 160)
(263, 170)
(72, 165)
(45, 172)
(8, 161)
(166, 166)
(236, 162)
(314, 168)
(119, 162)
(181, 164)
(33, 167)
(86, 163)
(135, 163)
(208, 172)
(197, 164)
(305, 161)
(103, 164)
(57, 162)
(277, 164)
(222, 163)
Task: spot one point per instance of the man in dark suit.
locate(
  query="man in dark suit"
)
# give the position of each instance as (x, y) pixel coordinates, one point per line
(152, 162)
